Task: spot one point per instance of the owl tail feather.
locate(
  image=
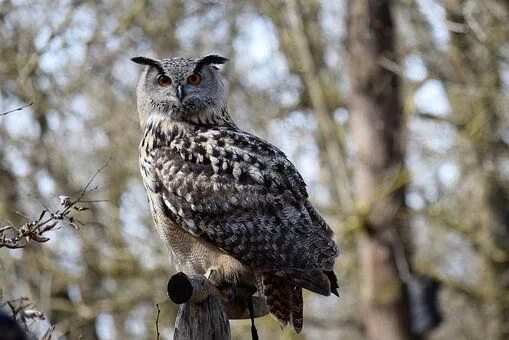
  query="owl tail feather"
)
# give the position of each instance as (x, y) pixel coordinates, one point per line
(284, 300)
(297, 314)
(333, 281)
(315, 280)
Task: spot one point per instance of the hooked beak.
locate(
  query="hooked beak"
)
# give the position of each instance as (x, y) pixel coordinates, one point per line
(180, 92)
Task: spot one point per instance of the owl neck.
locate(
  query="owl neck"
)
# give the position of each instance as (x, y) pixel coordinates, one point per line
(160, 131)
(215, 116)
(167, 126)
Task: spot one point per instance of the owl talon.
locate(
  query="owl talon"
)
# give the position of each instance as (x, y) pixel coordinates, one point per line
(214, 277)
(227, 292)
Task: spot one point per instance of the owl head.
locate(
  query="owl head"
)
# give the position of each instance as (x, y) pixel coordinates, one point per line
(182, 89)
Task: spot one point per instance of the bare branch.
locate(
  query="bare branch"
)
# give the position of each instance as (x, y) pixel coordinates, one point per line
(157, 321)
(18, 109)
(34, 229)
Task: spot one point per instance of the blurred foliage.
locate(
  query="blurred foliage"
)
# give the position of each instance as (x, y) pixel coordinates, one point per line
(289, 82)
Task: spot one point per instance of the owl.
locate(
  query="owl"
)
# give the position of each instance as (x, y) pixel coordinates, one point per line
(227, 204)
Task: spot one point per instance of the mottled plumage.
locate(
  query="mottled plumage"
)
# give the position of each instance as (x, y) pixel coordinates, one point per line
(227, 203)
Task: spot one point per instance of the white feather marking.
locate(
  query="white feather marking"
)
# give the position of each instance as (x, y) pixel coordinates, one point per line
(255, 174)
(215, 164)
(237, 170)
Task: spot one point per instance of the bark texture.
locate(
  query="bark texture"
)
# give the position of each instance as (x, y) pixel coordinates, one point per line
(202, 321)
(376, 125)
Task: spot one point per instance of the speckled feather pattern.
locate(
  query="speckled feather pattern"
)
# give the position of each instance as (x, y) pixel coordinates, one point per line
(226, 200)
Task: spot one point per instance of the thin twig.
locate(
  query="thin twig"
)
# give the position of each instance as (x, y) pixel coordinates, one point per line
(18, 109)
(84, 191)
(157, 321)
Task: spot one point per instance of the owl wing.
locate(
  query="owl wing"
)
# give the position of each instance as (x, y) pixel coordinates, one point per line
(244, 196)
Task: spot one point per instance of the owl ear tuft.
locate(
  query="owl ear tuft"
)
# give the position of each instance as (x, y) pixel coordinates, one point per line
(149, 62)
(212, 59)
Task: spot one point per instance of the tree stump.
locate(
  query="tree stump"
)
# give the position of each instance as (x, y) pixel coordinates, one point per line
(204, 310)
(202, 320)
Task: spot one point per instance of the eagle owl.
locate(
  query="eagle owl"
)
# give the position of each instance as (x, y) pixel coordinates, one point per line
(227, 204)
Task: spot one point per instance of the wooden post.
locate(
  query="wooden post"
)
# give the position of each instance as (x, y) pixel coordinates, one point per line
(204, 310)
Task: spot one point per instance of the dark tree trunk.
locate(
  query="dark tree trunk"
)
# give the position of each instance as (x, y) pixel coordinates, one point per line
(376, 125)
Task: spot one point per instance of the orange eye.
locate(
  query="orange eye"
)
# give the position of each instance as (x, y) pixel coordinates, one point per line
(164, 80)
(194, 79)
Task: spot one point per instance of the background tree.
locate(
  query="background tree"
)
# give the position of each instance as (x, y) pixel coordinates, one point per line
(377, 130)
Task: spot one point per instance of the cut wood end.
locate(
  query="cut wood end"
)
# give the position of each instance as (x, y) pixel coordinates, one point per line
(180, 288)
(196, 288)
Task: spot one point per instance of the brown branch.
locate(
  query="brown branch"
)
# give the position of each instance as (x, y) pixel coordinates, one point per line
(48, 220)
(157, 321)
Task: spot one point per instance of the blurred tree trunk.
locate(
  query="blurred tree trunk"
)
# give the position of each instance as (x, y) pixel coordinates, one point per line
(376, 125)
